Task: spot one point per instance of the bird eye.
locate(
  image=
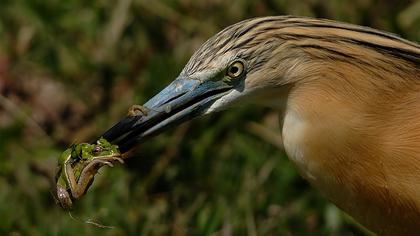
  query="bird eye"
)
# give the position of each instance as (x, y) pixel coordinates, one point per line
(236, 69)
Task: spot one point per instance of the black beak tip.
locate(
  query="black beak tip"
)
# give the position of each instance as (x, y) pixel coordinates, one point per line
(121, 128)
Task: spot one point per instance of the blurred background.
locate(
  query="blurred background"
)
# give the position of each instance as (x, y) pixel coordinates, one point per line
(70, 69)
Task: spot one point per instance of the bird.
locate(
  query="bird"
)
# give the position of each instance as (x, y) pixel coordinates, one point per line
(348, 99)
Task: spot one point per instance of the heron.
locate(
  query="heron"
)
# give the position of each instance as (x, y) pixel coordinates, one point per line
(348, 99)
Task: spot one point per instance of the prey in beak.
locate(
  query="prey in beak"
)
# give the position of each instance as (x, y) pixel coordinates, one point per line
(185, 98)
(188, 96)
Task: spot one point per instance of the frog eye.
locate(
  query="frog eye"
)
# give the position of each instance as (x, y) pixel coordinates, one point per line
(97, 149)
(236, 69)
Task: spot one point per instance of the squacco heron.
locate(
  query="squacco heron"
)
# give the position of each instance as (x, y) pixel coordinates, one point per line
(349, 103)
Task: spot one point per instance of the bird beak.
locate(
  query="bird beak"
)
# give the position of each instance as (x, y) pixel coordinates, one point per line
(182, 100)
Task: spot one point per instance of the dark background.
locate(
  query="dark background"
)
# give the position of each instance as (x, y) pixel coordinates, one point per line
(70, 69)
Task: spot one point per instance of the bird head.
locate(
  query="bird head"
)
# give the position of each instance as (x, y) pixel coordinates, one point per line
(225, 70)
(266, 61)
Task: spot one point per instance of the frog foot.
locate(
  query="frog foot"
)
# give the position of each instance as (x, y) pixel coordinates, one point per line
(93, 166)
(100, 161)
(136, 110)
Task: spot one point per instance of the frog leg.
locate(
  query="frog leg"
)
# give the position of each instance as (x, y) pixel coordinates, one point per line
(79, 187)
(64, 198)
(108, 160)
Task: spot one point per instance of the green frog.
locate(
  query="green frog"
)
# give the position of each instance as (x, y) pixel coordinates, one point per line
(77, 167)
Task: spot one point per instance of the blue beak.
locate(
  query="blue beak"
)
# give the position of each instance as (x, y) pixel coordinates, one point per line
(180, 101)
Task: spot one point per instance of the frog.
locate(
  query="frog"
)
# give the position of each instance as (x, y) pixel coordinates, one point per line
(77, 167)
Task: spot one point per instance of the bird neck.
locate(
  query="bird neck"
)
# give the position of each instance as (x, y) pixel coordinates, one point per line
(353, 132)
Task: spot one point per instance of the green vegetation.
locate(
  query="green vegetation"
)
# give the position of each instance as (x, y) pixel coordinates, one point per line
(70, 69)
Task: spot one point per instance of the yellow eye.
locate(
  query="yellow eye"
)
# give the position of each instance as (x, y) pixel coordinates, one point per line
(236, 69)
